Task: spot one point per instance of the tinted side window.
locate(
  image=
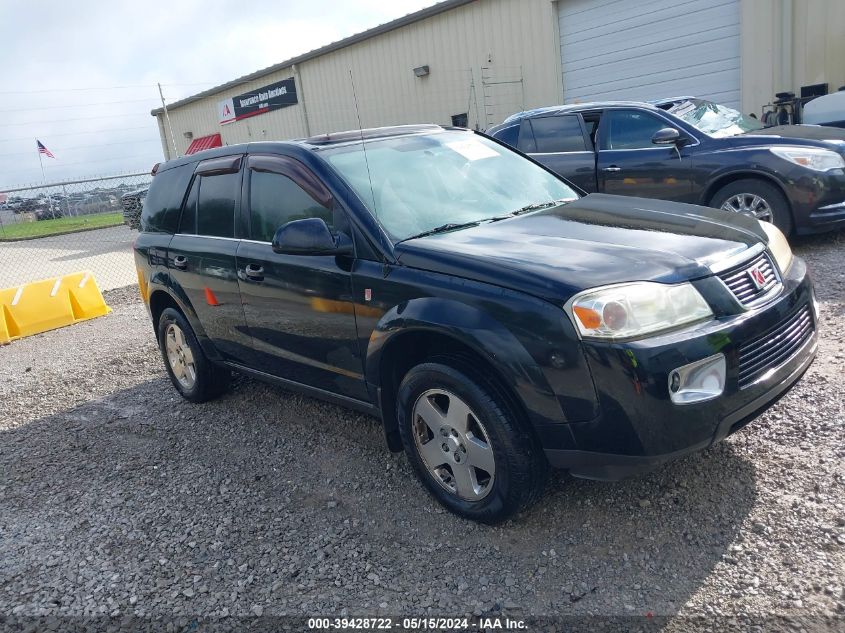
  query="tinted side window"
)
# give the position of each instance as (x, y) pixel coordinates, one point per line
(216, 204)
(509, 135)
(630, 129)
(558, 134)
(275, 200)
(164, 200)
(188, 223)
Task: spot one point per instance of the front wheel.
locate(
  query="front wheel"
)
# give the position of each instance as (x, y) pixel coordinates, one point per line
(756, 198)
(466, 445)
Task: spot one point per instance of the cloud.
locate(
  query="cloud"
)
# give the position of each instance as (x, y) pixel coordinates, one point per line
(81, 76)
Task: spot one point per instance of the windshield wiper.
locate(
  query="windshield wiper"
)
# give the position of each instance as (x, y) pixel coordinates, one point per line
(535, 206)
(443, 228)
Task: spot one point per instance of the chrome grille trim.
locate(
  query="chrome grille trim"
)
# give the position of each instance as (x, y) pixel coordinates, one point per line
(773, 349)
(738, 280)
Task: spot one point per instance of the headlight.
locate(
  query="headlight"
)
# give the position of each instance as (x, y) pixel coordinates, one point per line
(636, 309)
(810, 157)
(778, 246)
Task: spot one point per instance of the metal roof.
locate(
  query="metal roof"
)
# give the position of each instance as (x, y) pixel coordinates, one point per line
(422, 14)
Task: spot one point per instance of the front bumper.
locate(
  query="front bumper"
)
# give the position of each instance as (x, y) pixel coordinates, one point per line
(640, 427)
(818, 202)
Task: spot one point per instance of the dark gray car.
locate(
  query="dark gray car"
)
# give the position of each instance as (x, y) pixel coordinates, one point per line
(695, 151)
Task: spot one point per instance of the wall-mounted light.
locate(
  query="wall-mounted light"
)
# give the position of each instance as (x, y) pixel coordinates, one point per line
(421, 71)
(189, 135)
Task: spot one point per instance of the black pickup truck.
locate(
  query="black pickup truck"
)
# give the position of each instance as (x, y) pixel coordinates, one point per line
(691, 150)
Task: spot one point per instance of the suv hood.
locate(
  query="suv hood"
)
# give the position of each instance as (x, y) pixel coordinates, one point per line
(594, 241)
(806, 132)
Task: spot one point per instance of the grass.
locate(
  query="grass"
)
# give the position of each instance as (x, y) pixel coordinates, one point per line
(44, 228)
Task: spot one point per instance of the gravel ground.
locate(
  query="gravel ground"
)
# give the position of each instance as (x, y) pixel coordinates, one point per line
(117, 497)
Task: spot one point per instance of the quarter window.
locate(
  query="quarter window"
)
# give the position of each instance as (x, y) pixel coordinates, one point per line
(275, 200)
(216, 204)
(630, 129)
(555, 134)
(188, 223)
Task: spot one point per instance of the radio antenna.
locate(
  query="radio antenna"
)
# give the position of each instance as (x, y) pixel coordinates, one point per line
(363, 143)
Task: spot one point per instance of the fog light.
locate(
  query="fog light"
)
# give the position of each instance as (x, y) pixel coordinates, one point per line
(698, 381)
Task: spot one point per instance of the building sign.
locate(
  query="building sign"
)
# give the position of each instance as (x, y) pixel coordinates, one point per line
(273, 97)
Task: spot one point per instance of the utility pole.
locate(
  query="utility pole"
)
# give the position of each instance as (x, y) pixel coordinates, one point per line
(167, 118)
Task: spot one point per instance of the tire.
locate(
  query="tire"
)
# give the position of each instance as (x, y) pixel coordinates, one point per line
(493, 437)
(195, 377)
(748, 190)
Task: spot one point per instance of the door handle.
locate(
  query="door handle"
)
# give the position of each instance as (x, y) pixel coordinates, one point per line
(612, 168)
(254, 272)
(180, 261)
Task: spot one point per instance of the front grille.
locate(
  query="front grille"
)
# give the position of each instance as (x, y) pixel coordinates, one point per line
(741, 282)
(775, 347)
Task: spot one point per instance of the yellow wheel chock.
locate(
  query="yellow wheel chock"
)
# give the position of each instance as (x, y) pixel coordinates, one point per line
(48, 304)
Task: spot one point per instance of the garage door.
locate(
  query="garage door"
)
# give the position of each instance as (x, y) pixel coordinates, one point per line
(650, 49)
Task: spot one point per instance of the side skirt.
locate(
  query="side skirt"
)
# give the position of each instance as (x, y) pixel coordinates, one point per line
(314, 392)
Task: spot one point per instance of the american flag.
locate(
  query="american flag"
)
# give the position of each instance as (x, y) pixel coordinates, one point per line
(43, 150)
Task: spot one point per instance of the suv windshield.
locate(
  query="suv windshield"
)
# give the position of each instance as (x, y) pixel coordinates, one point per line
(714, 119)
(443, 181)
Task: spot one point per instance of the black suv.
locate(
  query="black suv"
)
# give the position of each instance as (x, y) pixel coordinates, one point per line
(692, 150)
(494, 319)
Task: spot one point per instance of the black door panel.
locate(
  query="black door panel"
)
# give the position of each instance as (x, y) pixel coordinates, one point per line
(578, 167)
(202, 256)
(301, 317)
(204, 270)
(629, 164)
(299, 308)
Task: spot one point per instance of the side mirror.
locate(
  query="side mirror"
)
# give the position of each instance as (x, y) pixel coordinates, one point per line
(310, 236)
(666, 136)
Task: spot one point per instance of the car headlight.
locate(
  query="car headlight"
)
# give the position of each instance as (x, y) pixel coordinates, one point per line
(636, 309)
(778, 246)
(811, 157)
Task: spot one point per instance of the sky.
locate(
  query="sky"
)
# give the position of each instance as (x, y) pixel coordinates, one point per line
(81, 76)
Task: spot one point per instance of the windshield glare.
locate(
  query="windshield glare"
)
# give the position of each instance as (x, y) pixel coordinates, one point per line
(714, 119)
(421, 182)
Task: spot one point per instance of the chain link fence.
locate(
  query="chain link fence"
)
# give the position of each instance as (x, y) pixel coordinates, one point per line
(58, 228)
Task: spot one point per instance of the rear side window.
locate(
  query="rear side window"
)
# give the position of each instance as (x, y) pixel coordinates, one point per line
(216, 204)
(275, 200)
(630, 129)
(161, 208)
(509, 135)
(555, 134)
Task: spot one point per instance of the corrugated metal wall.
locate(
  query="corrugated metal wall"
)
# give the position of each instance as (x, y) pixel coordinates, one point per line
(489, 59)
(817, 28)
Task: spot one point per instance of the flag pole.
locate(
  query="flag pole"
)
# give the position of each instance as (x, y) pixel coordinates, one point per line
(44, 179)
(40, 162)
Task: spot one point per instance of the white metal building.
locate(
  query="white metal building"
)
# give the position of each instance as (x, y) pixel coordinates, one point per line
(474, 62)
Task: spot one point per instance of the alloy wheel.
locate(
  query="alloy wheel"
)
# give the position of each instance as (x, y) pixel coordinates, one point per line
(749, 204)
(453, 444)
(179, 356)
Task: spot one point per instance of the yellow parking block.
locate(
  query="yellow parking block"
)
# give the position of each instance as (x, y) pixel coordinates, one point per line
(48, 304)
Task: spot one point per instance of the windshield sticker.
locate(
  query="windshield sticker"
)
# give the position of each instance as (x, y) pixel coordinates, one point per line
(472, 149)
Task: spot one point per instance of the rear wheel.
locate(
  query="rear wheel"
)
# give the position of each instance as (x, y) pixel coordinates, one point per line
(195, 377)
(756, 198)
(466, 445)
